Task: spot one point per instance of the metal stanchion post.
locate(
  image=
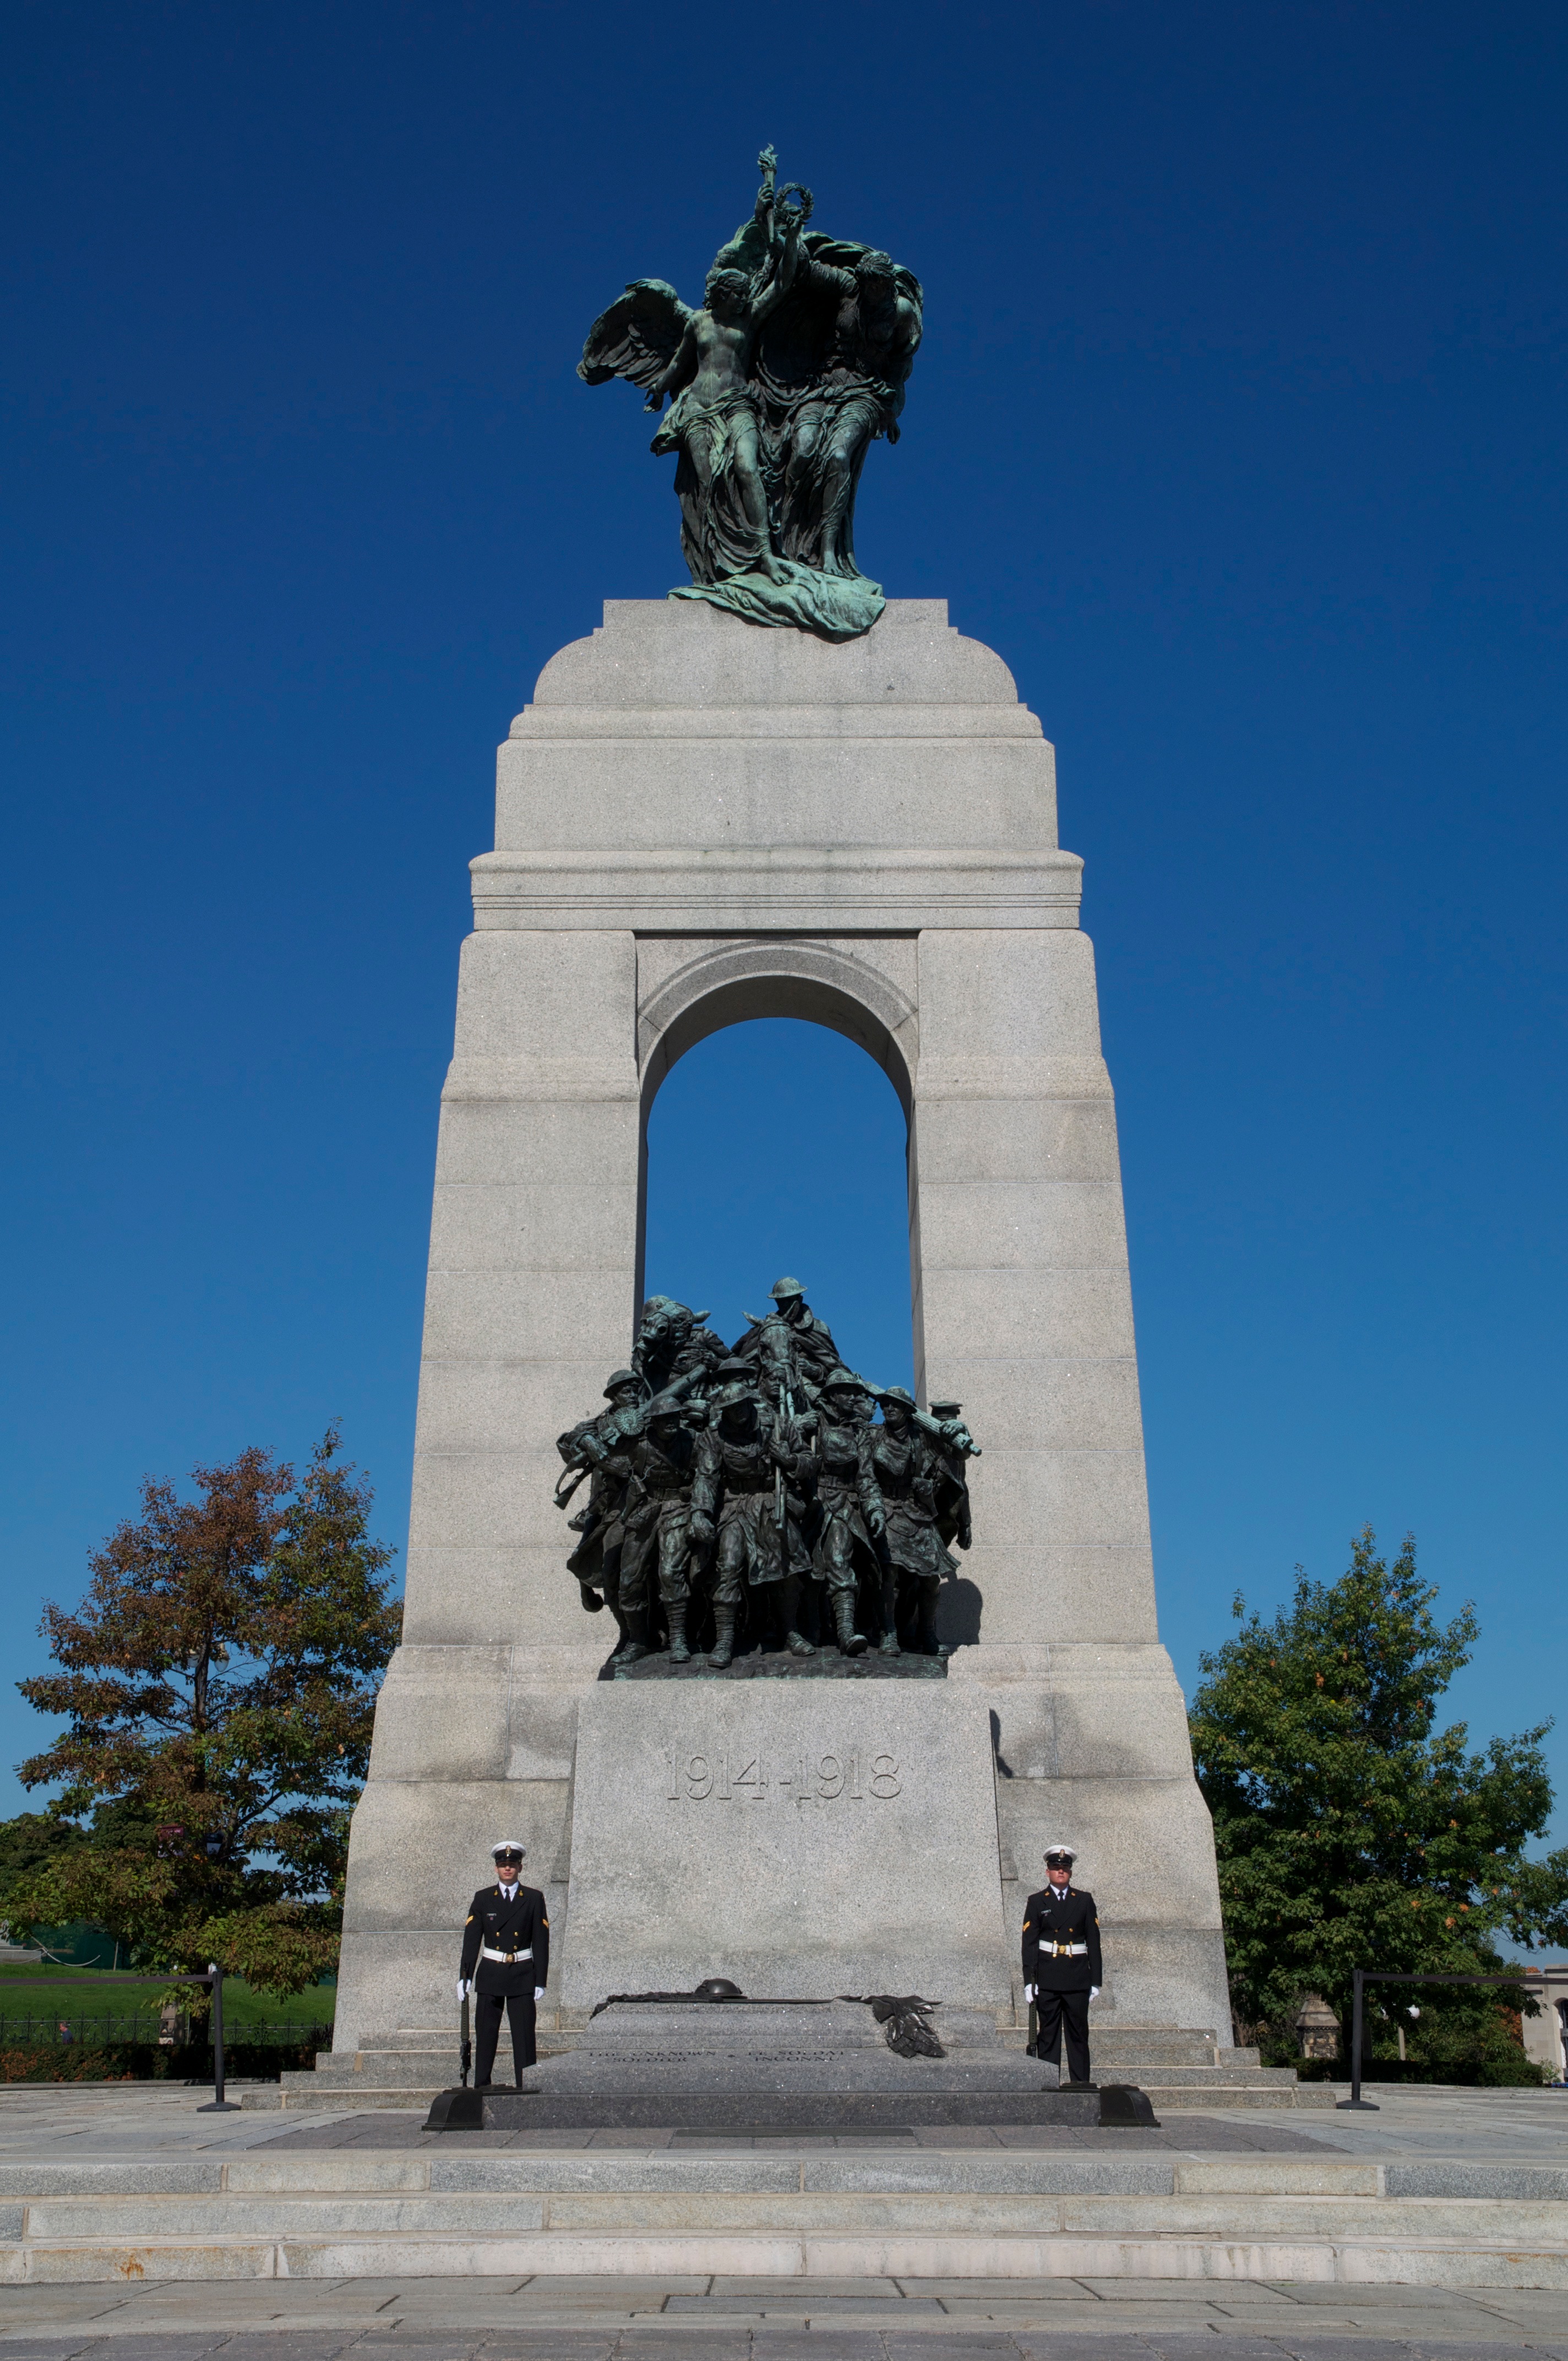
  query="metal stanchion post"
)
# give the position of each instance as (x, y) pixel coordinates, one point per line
(1356, 2102)
(217, 2104)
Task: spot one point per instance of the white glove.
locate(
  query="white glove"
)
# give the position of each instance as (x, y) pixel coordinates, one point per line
(462, 1988)
(1093, 1992)
(1029, 1993)
(538, 1993)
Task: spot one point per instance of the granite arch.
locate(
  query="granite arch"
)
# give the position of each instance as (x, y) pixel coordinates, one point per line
(845, 988)
(699, 822)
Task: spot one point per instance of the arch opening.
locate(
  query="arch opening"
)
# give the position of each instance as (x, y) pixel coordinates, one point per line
(777, 1148)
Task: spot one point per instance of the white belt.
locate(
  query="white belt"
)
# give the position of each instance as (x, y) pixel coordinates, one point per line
(506, 1959)
(1047, 1951)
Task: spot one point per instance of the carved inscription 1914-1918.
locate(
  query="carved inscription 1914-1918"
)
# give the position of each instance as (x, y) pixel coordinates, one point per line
(741, 1777)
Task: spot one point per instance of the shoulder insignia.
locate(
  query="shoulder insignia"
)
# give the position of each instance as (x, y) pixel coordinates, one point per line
(469, 1920)
(1026, 1926)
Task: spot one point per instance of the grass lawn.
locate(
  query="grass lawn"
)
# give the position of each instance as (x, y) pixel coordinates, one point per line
(115, 1992)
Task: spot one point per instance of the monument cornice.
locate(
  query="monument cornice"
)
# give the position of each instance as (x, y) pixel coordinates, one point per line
(812, 890)
(973, 723)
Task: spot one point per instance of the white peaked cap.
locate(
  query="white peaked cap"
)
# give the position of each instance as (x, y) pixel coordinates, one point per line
(1070, 1851)
(508, 1844)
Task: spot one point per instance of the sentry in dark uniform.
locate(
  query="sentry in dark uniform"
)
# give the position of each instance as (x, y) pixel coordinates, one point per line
(506, 1963)
(1062, 1970)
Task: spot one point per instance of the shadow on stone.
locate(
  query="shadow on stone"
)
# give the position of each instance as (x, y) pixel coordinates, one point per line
(1124, 2103)
(959, 1610)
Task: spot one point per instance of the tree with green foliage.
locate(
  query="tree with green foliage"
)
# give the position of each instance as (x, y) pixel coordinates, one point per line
(219, 1682)
(1350, 1831)
(27, 1843)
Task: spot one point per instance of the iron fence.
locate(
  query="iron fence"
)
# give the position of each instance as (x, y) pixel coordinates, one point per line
(1528, 1981)
(145, 2025)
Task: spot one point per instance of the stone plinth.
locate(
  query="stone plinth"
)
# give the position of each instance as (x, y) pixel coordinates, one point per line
(697, 822)
(792, 1835)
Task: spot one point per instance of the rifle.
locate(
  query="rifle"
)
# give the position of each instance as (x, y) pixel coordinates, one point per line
(952, 1432)
(464, 2046)
(781, 1495)
(777, 1345)
(585, 1448)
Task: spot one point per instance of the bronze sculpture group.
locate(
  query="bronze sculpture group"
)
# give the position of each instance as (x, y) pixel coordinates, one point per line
(751, 1497)
(793, 364)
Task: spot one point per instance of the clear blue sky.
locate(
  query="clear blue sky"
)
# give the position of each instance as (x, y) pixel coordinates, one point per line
(1238, 429)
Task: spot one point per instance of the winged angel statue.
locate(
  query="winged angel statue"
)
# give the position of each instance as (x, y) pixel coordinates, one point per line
(795, 365)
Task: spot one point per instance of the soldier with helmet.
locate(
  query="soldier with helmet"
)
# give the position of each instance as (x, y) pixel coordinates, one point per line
(955, 1445)
(908, 1471)
(1062, 1970)
(661, 1532)
(791, 1333)
(850, 1505)
(603, 1446)
(748, 1462)
(779, 1419)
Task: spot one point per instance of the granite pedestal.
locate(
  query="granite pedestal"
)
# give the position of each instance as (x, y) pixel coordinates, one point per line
(700, 822)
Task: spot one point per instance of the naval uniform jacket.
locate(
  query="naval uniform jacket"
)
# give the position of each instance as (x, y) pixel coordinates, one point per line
(497, 1925)
(1061, 1919)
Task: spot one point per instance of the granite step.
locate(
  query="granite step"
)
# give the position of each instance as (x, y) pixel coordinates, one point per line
(1268, 2250)
(315, 2214)
(319, 2213)
(300, 2093)
(685, 2050)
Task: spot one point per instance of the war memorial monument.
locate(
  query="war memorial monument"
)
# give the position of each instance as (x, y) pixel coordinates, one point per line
(849, 1659)
(786, 1679)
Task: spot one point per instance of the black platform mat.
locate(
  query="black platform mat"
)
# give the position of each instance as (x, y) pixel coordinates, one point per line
(758, 2115)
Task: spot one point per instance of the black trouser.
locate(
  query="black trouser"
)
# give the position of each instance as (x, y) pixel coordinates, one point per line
(487, 2010)
(1057, 2010)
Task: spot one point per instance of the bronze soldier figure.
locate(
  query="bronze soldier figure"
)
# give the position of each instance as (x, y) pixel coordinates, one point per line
(849, 1504)
(955, 1445)
(790, 1337)
(778, 1428)
(745, 1463)
(908, 1471)
(602, 1446)
(665, 1332)
(662, 1530)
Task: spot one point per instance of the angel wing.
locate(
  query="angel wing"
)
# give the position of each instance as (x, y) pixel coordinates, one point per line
(638, 337)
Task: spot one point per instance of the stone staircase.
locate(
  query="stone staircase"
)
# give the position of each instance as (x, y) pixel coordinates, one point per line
(1184, 2070)
(1178, 2070)
(840, 2215)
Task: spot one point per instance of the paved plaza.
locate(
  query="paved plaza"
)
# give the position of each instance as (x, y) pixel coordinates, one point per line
(1511, 2137)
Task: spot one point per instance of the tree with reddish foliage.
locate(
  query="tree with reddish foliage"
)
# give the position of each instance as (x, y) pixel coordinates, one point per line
(219, 1682)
